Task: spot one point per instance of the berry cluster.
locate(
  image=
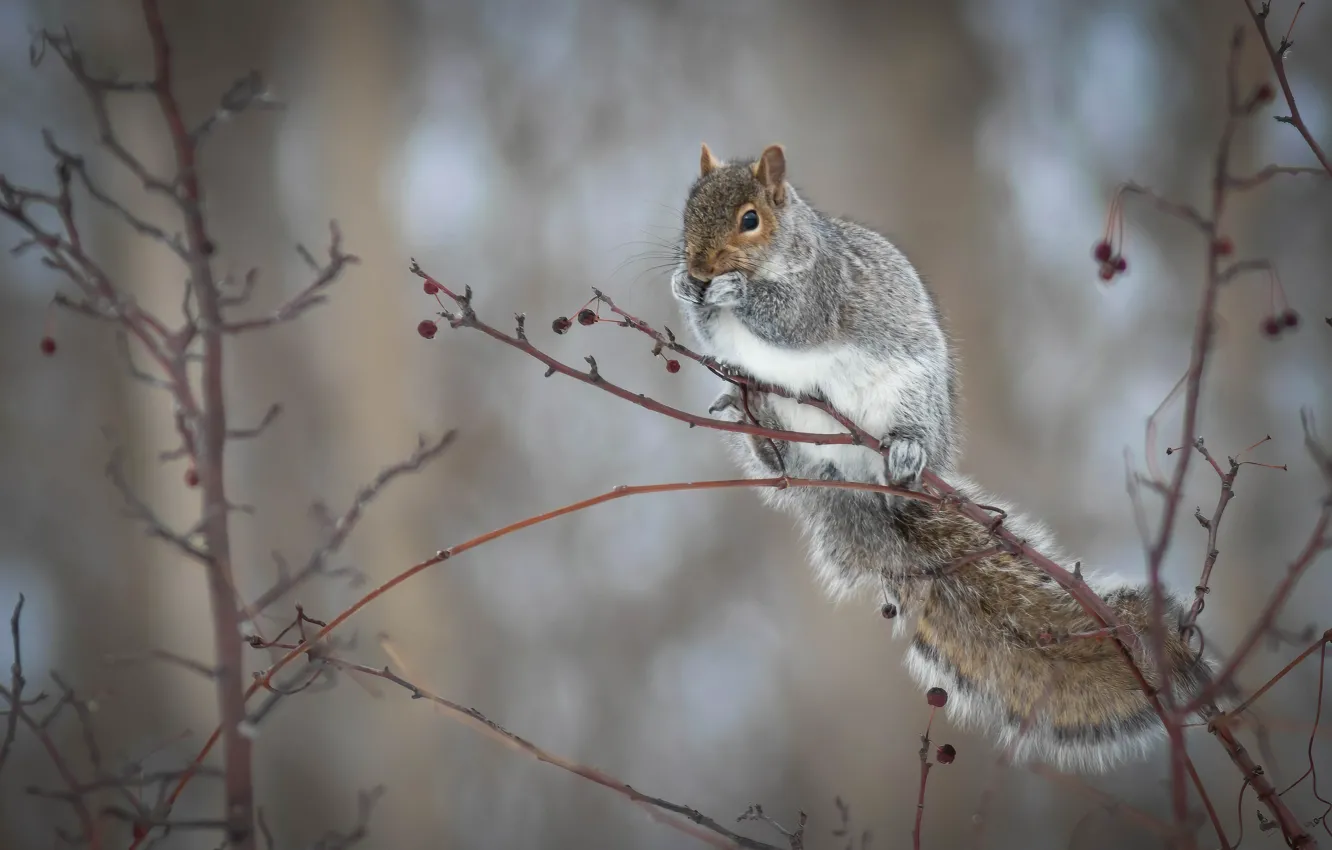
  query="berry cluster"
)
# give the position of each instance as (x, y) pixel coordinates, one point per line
(1280, 316)
(938, 698)
(1110, 262)
(1275, 324)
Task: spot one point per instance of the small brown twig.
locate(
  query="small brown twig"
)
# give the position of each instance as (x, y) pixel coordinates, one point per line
(340, 529)
(478, 721)
(18, 713)
(1277, 55)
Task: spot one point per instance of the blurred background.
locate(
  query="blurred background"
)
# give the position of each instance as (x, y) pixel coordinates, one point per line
(533, 150)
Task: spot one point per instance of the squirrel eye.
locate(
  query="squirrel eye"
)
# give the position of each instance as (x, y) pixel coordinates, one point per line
(749, 221)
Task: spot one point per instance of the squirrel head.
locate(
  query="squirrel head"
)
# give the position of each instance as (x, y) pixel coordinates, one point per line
(733, 213)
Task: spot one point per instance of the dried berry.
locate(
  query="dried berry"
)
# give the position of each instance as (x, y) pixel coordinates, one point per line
(1121, 264)
(431, 288)
(586, 317)
(1224, 247)
(1102, 251)
(672, 366)
(1265, 94)
(191, 477)
(945, 754)
(427, 329)
(1290, 318)
(936, 697)
(1272, 326)
(1107, 272)
(889, 610)
(561, 325)
(48, 346)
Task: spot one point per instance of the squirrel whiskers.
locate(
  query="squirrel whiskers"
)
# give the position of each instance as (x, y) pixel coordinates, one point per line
(827, 308)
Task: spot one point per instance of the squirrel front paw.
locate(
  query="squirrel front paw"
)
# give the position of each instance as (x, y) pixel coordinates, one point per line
(726, 290)
(727, 406)
(904, 463)
(685, 288)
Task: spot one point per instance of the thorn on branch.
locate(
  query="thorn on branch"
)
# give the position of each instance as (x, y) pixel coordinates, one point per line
(592, 372)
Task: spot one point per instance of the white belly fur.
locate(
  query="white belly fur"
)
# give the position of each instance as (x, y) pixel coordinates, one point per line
(866, 391)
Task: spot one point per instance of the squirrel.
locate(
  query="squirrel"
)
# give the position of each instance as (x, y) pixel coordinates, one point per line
(824, 308)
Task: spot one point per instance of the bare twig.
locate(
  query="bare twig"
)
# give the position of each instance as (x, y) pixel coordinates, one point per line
(169, 657)
(18, 713)
(312, 295)
(796, 837)
(1276, 53)
(141, 511)
(16, 682)
(339, 530)
(493, 730)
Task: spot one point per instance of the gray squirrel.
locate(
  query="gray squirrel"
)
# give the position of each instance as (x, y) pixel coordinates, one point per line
(828, 309)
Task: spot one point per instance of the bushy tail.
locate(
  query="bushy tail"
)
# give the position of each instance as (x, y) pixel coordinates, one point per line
(1022, 659)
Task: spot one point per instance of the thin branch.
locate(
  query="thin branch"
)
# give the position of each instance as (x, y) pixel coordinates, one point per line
(96, 90)
(141, 511)
(76, 165)
(16, 682)
(190, 664)
(18, 713)
(1184, 212)
(1324, 638)
(1276, 54)
(491, 729)
(1257, 179)
(1317, 543)
(339, 530)
(312, 295)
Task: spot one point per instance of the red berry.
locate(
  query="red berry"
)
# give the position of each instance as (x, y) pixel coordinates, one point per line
(1102, 251)
(586, 317)
(936, 697)
(191, 477)
(1265, 93)
(427, 329)
(945, 754)
(672, 366)
(138, 831)
(889, 610)
(1121, 265)
(1290, 318)
(431, 287)
(1272, 326)
(561, 325)
(1107, 272)
(48, 346)
(1224, 247)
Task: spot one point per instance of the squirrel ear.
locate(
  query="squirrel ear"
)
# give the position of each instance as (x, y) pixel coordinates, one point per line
(771, 171)
(708, 162)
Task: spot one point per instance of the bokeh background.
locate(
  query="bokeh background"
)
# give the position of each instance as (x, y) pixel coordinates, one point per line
(533, 150)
